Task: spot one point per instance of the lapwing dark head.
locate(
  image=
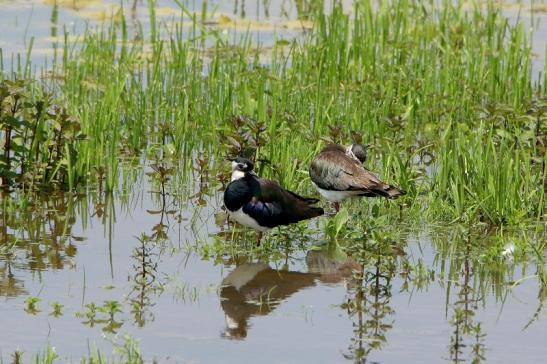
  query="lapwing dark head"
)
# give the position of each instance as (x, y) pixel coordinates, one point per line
(359, 151)
(240, 166)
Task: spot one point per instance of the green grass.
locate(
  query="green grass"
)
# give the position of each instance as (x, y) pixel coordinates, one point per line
(125, 349)
(447, 81)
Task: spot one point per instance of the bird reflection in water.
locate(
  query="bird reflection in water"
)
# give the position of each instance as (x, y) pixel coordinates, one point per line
(256, 289)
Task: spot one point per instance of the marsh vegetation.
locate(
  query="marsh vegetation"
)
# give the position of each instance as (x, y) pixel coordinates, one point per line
(113, 167)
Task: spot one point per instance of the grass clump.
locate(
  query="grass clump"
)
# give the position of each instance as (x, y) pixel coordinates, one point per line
(39, 139)
(489, 174)
(125, 350)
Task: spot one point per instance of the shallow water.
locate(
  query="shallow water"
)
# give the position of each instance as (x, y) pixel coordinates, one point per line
(42, 23)
(230, 309)
(199, 302)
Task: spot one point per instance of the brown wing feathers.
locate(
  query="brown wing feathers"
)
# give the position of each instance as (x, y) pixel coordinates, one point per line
(294, 206)
(333, 169)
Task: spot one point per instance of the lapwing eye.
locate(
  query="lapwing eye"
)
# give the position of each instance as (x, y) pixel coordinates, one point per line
(242, 165)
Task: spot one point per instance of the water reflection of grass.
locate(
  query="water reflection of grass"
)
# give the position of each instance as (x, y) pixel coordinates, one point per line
(41, 228)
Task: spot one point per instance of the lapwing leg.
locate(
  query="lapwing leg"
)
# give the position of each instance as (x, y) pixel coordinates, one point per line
(258, 237)
(337, 206)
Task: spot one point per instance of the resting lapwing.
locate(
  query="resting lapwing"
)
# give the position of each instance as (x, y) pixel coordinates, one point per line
(338, 173)
(262, 204)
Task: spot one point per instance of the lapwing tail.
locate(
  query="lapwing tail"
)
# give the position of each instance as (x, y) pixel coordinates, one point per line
(307, 200)
(311, 212)
(385, 190)
(393, 192)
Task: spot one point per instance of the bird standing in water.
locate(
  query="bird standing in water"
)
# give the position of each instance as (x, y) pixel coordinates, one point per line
(338, 173)
(262, 204)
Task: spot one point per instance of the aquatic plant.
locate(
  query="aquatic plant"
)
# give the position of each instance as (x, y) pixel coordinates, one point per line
(39, 139)
(57, 309)
(125, 349)
(144, 281)
(49, 356)
(110, 308)
(90, 314)
(31, 305)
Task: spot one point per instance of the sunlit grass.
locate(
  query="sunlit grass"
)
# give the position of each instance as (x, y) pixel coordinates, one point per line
(411, 78)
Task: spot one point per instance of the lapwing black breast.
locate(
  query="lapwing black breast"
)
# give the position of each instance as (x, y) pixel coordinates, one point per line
(262, 204)
(338, 173)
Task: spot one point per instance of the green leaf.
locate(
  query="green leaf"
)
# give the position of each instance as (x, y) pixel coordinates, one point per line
(282, 42)
(18, 149)
(340, 220)
(11, 121)
(169, 149)
(375, 210)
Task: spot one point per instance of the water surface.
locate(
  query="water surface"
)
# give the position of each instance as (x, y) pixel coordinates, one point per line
(309, 305)
(189, 288)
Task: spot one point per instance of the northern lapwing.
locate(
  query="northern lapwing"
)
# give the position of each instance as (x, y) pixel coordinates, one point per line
(262, 204)
(338, 173)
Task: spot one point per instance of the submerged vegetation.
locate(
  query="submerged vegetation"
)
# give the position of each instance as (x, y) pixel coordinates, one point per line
(442, 92)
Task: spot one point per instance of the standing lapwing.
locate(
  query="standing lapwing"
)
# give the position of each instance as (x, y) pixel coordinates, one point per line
(338, 173)
(262, 204)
